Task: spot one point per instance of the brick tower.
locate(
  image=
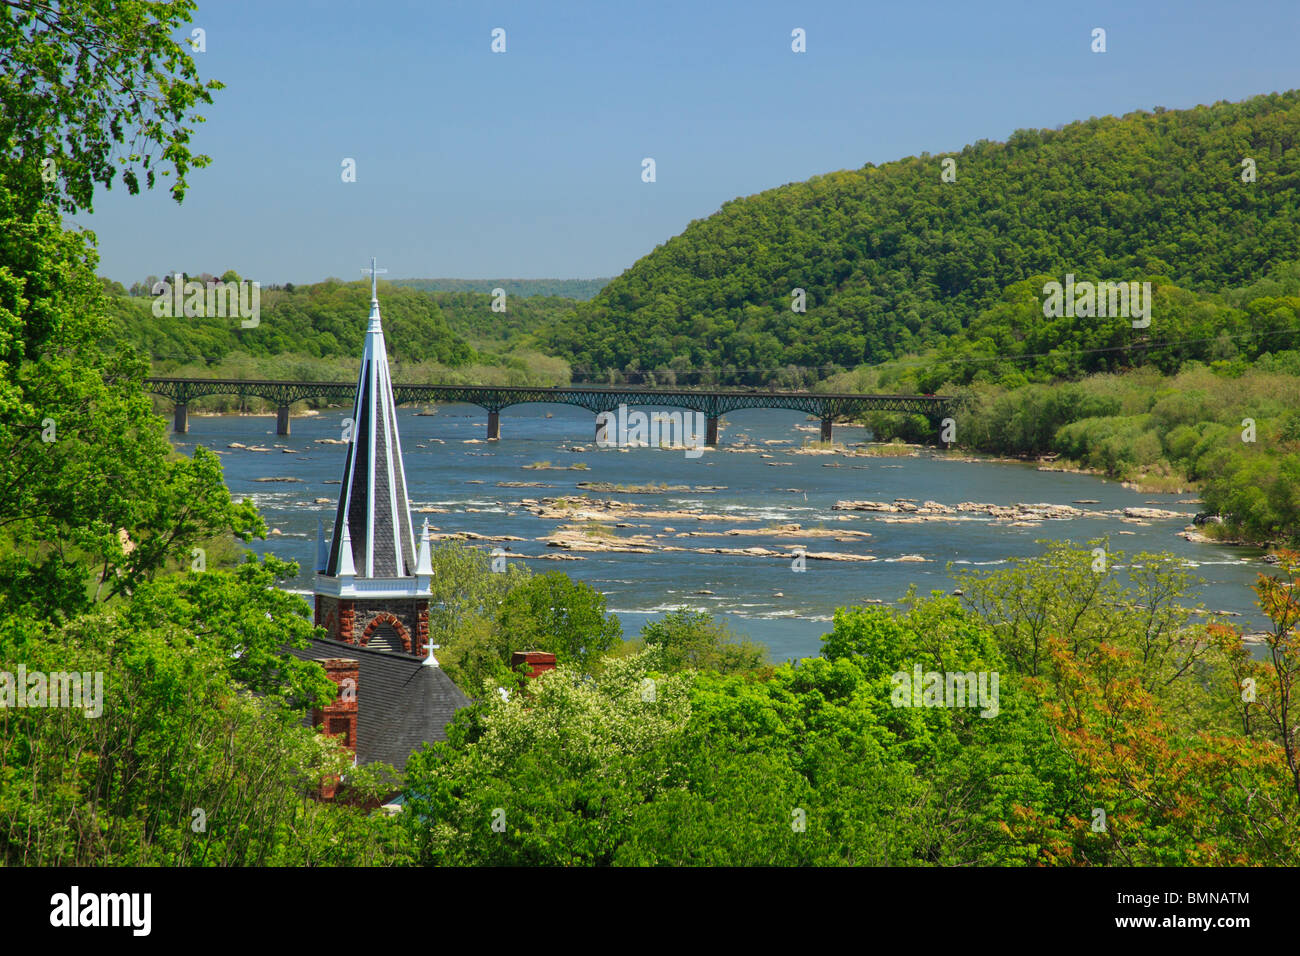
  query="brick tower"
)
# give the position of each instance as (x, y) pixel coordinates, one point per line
(372, 583)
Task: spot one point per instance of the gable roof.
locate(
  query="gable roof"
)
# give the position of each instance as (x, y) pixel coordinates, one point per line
(402, 703)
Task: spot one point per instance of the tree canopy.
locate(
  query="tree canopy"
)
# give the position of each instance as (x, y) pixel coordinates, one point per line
(97, 91)
(892, 259)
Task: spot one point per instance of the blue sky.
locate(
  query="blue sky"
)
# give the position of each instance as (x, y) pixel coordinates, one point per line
(527, 164)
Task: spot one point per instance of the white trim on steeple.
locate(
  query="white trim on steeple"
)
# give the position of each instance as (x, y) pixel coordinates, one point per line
(402, 527)
(347, 568)
(425, 566)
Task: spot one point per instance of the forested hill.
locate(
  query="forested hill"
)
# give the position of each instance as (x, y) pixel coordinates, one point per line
(893, 258)
(316, 331)
(581, 289)
(319, 321)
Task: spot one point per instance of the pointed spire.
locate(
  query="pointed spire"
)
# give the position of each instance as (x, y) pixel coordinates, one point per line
(374, 279)
(373, 505)
(373, 325)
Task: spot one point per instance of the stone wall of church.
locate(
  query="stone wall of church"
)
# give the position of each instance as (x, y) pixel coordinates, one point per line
(355, 620)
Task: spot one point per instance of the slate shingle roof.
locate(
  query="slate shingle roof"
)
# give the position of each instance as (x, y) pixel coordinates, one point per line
(401, 703)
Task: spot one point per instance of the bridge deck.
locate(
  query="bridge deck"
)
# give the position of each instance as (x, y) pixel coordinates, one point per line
(711, 402)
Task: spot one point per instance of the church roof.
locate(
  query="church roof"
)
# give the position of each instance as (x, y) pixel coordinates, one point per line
(373, 507)
(402, 702)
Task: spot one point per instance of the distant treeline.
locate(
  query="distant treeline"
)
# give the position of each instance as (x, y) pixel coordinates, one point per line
(317, 330)
(581, 289)
(324, 320)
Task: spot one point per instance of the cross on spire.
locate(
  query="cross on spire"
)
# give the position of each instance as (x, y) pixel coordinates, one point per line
(374, 281)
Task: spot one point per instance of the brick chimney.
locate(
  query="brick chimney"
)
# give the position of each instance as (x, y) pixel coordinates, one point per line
(539, 662)
(339, 719)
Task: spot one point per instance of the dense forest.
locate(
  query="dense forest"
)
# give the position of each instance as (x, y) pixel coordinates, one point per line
(1121, 738)
(1012, 342)
(893, 259)
(1118, 732)
(311, 332)
(1204, 397)
(581, 289)
(318, 321)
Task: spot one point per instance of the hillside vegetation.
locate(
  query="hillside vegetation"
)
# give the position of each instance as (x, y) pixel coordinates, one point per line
(893, 259)
(1206, 397)
(582, 289)
(315, 332)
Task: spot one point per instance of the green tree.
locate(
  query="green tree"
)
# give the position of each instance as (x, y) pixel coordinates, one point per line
(198, 754)
(96, 90)
(558, 771)
(467, 597)
(694, 640)
(552, 612)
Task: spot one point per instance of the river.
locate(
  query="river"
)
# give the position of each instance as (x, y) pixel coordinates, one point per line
(449, 467)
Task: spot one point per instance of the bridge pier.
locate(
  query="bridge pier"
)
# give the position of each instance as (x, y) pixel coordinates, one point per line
(827, 407)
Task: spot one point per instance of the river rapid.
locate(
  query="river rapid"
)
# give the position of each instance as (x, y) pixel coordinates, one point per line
(758, 488)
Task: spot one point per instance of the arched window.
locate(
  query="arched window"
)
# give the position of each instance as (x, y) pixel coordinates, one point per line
(386, 633)
(384, 638)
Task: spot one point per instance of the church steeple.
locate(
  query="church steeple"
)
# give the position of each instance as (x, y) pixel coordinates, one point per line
(373, 582)
(373, 502)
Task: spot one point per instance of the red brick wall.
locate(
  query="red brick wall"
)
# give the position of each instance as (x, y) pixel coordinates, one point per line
(336, 616)
(539, 662)
(339, 719)
(347, 622)
(422, 630)
(386, 617)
